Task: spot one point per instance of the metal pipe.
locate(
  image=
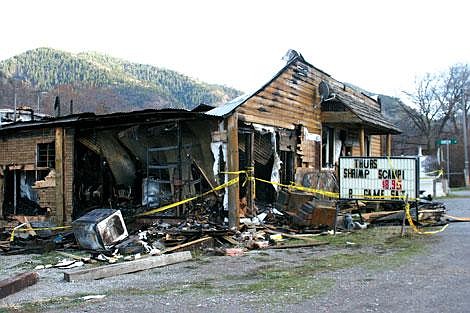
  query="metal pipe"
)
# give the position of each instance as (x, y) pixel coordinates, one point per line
(465, 142)
(448, 163)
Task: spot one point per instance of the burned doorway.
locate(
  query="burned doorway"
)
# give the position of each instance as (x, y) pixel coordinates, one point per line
(93, 179)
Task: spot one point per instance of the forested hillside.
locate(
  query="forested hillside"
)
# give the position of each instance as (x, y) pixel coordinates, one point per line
(97, 82)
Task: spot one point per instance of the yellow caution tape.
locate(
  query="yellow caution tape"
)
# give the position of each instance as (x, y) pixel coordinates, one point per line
(413, 226)
(12, 236)
(172, 205)
(439, 173)
(302, 188)
(235, 173)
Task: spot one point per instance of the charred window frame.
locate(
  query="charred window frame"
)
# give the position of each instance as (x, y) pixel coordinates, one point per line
(45, 155)
(328, 144)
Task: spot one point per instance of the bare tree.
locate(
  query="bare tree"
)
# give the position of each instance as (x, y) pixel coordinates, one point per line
(436, 99)
(458, 92)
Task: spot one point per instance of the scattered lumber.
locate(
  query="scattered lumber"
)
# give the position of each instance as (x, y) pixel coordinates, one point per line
(370, 217)
(17, 283)
(231, 240)
(291, 236)
(304, 245)
(127, 267)
(187, 244)
(456, 218)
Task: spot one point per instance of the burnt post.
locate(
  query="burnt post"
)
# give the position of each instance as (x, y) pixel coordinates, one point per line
(389, 144)
(362, 146)
(179, 134)
(250, 151)
(59, 169)
(233, 166)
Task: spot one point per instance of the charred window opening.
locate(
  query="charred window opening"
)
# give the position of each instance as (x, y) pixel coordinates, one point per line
(367, 140)
(46, 155)
(328, 145)
(287, 144)
(287, 170)
(20, 195)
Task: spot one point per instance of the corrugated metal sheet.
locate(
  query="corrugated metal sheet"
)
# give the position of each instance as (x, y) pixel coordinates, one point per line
(227, 108)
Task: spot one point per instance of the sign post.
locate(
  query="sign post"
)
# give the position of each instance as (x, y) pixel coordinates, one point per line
(447, 142)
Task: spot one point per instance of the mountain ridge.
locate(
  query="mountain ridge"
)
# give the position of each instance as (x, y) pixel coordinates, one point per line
(132, 84)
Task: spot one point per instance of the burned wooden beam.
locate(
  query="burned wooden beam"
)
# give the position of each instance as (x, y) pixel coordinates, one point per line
(127, 267)
(187, 244)
(234, 190)
(17, 283)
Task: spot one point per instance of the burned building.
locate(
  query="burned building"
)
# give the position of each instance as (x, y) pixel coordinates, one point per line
(68, 165)
(291, 130)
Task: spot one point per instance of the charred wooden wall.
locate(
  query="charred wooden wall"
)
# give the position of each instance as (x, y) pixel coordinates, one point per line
(18, 150)
(291, 99)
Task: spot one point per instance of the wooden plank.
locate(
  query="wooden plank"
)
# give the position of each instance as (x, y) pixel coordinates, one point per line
(281, 106)
(292, 95)
(362, 146)
(314, 77)
(303, 245)
(345, 117)
(187, 244)
(127, 267)
(277, 121)
(290, 236)
(251, 191)
(233, 166)
(17, 283)
(288, 98)
(231, 240)
(279, 116)
(59, 176)
(288, 116)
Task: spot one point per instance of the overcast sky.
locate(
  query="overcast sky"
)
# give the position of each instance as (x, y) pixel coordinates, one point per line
(377, 45)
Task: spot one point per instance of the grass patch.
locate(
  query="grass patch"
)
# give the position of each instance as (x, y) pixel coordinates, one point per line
(374, 249)
(263, 259)
(47, 258)
(42, 305)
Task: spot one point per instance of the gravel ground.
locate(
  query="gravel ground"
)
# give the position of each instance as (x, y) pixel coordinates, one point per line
(435, 280)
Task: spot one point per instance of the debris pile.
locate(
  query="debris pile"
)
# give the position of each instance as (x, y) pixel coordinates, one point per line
(105, 233)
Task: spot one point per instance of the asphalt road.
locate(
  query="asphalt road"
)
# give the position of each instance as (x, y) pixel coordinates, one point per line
(438, 281)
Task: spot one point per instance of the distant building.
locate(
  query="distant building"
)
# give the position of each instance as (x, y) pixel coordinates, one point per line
(23, 114)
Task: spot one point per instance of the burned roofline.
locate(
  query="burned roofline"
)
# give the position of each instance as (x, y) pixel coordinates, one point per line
(118, 118)
(300, 58)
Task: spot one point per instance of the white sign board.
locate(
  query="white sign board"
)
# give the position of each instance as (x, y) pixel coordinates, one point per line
(378, 178)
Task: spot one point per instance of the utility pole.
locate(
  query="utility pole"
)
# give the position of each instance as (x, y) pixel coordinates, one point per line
(448, 163)
(465, 142)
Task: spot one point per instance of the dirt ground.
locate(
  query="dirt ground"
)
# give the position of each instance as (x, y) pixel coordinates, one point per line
(368, 271)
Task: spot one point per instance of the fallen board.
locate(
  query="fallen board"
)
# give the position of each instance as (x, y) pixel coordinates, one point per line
(17, 283)
(184, 245)
(127, 267)
(306, 245)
